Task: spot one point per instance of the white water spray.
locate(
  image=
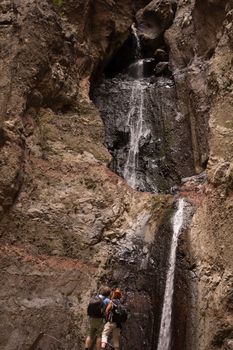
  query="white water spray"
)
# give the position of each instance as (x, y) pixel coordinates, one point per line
(135, 123)
(165, 328)
(135, 119)
(138, 43)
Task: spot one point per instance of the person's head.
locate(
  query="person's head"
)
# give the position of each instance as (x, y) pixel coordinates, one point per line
(117, 294)
(105, 291)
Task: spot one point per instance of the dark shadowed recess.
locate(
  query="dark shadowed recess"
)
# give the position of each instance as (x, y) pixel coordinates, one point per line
(185, 294)
(143, 287)
(208, 18)
(125, 57)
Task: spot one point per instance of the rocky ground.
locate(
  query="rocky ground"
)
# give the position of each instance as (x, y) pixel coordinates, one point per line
(68, 223)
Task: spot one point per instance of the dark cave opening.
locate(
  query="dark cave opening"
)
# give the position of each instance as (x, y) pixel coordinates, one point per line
(155, 55)
(125, 58)
(122, 59)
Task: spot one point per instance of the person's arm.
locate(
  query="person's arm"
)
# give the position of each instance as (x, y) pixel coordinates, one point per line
(108, 308)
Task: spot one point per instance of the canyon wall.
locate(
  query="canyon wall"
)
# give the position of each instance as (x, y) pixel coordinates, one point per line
(66, 219)
(201, 55)
(68, 223)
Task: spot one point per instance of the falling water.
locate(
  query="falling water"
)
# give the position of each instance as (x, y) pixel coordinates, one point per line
(139, 112)
(135, 123)
(135, 118)
(165, 328)
(138, 43)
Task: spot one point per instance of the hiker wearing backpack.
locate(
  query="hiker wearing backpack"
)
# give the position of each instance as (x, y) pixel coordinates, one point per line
(96, 309)
(115, 316)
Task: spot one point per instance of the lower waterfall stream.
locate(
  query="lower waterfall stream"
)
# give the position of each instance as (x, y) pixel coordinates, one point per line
(135, 121)
(165, 327)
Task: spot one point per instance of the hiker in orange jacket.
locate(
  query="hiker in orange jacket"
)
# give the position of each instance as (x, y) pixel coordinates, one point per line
(113, 324)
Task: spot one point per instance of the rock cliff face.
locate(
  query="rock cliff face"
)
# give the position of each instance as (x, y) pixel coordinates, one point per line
(203, 30)
(68, 223)
(66, 219)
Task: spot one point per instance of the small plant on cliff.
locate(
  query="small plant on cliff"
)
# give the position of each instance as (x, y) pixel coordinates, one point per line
(58, 2)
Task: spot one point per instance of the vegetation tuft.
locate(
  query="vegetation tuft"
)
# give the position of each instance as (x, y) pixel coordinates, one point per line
(58, 2)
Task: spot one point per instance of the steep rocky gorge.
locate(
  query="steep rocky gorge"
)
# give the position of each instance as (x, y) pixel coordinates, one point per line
(68, 223)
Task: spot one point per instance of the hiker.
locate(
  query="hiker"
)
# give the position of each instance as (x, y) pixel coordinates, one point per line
(115, 316)
(95, 311)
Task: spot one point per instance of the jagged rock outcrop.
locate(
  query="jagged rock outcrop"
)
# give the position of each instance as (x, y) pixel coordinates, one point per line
(153, 20)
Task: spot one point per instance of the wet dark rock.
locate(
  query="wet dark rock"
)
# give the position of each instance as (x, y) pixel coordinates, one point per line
(143, 268)
(160, 55)
(174, 189)
(198, 179)
(162, 160)
(142, 68)
(161, 68)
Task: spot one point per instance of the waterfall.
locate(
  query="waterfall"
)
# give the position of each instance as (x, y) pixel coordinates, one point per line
(137, 40)
(142, 130)
(165, 328)
(135, 119)
(135, 124)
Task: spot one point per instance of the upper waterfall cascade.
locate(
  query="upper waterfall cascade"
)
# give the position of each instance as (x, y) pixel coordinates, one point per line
(135, 121)
(144, 130)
